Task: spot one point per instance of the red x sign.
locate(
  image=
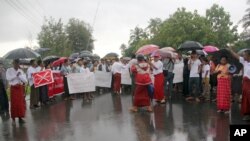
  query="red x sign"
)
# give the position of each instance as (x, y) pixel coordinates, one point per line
(42, 78)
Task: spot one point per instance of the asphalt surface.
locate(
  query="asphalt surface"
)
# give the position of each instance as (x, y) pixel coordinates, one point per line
(107, 118)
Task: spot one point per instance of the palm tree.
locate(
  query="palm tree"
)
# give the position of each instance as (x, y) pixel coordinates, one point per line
(246, 18)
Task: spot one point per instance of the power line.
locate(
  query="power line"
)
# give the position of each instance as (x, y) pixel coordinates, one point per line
(34, 7)
(18, 10)
(94, 20)
(25, 9)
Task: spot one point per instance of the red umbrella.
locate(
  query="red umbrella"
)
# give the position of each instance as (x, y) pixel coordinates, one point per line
(168, 49)
(147, 49)
(210, 49)
(59, 61)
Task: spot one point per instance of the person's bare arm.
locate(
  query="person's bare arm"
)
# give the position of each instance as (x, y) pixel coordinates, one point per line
(235, 55)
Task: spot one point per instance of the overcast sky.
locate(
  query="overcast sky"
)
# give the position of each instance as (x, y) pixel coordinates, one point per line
(21, 19)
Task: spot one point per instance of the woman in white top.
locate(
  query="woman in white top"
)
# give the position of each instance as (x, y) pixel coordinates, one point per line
(157, 67)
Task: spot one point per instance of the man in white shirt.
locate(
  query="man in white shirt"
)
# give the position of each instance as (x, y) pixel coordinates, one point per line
(103, 66)
(34, 92)
(245, 61)
(194, 65)
(116, 70)
(16, 79)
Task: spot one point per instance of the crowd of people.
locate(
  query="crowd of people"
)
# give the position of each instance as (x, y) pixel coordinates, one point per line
(152, 79)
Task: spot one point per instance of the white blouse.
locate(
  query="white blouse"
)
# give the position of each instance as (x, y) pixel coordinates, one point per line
(11, 76)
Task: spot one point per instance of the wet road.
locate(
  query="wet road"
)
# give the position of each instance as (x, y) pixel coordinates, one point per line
(107, 119)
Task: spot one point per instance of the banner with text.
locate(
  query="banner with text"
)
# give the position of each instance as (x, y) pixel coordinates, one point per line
(81, 82)
(103, 79)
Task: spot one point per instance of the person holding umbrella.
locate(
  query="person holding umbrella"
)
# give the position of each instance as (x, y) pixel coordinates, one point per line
(194, 65)
(16, 79)
(245, 105)
(34, 92)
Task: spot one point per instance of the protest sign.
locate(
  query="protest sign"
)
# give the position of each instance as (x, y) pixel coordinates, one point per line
(103, 79)
(42, 78)
(81, 82)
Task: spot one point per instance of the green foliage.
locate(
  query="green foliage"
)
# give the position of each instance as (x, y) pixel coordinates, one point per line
(64, 40)
(213, 29)
(53, 36)
(223, 30)
(79, 35)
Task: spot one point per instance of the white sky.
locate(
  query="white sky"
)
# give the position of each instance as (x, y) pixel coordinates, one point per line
(115, 18)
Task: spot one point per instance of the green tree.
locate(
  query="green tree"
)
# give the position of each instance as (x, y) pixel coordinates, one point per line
(182, 26)
(223, 30)
(52, 36)
(154, 26)
(246, 18)
(79, 35)
(123, 47)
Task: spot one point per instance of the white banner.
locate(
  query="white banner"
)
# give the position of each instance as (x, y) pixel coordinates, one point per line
(178, 72)
(81, 82)
(126, 79)
(103, 79)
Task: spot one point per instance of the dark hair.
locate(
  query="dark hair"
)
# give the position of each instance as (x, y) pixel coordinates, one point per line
(140, 57)
(224, 57)
(17, 61)
(116, 59)
(39, 62)
(247, 52)
(205, 59)
(66, 60)
(133, 56)
(194, 52)
(32, 61)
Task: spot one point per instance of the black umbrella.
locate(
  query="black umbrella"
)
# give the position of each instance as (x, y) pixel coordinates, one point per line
(241, 52)
(82, 55)
(21, 53)
(50, 58)
(25, 61)
(190, 45)
(41, 50)
(74, 56)
(86, 51)
(199, 52)
(96, 57)
(111, 55)
(231, 59)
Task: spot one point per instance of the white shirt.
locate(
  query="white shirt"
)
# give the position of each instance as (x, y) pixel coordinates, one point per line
(246, 66)
(84, 70)
(11, 76)
(194, 70)
(30, 71)
(205, 69)
(159, 67)
(116, 68)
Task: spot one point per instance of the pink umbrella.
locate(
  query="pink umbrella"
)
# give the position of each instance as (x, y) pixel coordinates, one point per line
(168, 49)
(164, 54)
(147, 49)
(210, 49)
